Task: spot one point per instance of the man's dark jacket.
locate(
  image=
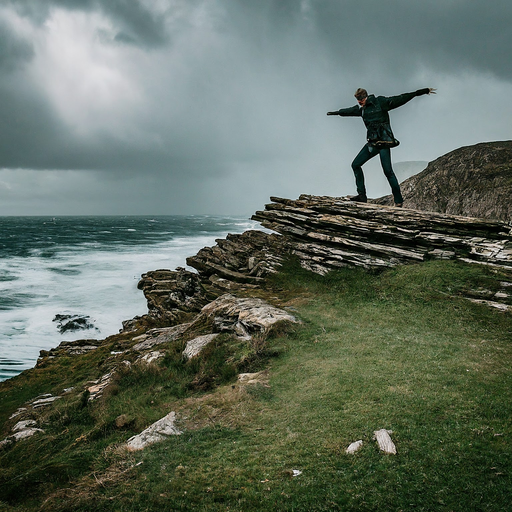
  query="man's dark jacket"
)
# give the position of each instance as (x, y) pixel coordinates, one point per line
(376, 118)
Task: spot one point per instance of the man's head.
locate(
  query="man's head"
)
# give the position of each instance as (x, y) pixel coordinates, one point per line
(361, 96)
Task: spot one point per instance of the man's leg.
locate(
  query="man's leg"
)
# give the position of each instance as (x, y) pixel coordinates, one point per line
(357, 166)
(385, 160)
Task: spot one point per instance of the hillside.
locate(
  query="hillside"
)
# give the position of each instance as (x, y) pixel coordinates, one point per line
(246, 382)
(474, 181)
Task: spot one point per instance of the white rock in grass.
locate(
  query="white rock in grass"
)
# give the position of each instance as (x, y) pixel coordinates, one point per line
(384, 441)
(195, 346)
(354, 447)
(159, 431)
(26, 432)
(21, 425)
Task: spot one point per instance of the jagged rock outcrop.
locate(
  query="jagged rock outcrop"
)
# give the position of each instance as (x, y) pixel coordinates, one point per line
(171, 296)
(474, 181)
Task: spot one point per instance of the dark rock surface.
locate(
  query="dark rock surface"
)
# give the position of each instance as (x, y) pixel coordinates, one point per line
(474, 181)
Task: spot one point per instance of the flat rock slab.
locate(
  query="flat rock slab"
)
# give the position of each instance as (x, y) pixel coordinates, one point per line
(158, 431)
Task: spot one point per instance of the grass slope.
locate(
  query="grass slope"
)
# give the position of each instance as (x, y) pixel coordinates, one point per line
(393, 350)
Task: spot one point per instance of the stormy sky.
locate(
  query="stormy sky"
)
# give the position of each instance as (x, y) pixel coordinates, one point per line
(211, 106)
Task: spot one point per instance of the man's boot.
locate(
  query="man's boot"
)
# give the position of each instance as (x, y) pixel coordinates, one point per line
(360, 198)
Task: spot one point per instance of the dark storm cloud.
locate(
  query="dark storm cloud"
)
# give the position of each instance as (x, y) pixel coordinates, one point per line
(136, 23)
(199, 88)
(447, 35)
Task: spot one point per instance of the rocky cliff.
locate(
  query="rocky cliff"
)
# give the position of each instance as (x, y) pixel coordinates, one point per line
(474, 181)
(327, 233)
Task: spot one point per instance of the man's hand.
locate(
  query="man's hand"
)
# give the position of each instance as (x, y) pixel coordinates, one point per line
(332, 113)
(431, 90)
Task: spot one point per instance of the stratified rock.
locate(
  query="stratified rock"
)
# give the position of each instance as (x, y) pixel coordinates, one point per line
(68, 348)
(247, 258)
(159, 336)
(327, 233)
(97, 387)
(155, 433)
(474, 181)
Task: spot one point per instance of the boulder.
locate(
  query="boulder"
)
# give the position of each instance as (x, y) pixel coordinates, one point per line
(244, 259)
(241, 316)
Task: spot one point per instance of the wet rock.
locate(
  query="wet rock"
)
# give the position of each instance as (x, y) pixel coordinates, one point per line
(72, 323)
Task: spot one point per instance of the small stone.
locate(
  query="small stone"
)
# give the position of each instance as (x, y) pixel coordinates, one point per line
(24, 434)
(384, 441)
(354, 447)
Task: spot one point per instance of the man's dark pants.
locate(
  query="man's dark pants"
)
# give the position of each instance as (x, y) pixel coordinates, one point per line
(367, 153)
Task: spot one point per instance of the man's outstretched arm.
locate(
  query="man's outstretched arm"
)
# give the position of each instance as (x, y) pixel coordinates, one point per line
(402, 99)
(354, 111)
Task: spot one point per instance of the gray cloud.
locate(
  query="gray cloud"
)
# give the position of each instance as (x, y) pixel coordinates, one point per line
(233, 93)
(15, 50)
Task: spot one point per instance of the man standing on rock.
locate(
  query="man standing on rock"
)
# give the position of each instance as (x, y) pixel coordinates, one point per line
(374, 111)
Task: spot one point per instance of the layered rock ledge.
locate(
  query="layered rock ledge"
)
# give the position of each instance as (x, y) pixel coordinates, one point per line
(327, 233)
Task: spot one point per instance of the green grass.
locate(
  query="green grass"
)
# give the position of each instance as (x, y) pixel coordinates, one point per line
(393, 350)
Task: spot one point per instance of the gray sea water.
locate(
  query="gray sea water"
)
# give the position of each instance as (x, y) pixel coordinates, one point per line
(89, 267)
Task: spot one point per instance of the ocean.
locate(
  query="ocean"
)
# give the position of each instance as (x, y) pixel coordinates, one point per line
(86, 267)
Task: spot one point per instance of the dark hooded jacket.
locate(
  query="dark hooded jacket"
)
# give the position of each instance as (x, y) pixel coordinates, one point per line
(376, 118)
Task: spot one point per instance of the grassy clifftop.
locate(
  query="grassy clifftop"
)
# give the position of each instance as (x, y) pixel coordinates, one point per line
(396, 350)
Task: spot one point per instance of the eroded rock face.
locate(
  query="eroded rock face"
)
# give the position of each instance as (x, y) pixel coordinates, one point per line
(474, 181)
(171, 295)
